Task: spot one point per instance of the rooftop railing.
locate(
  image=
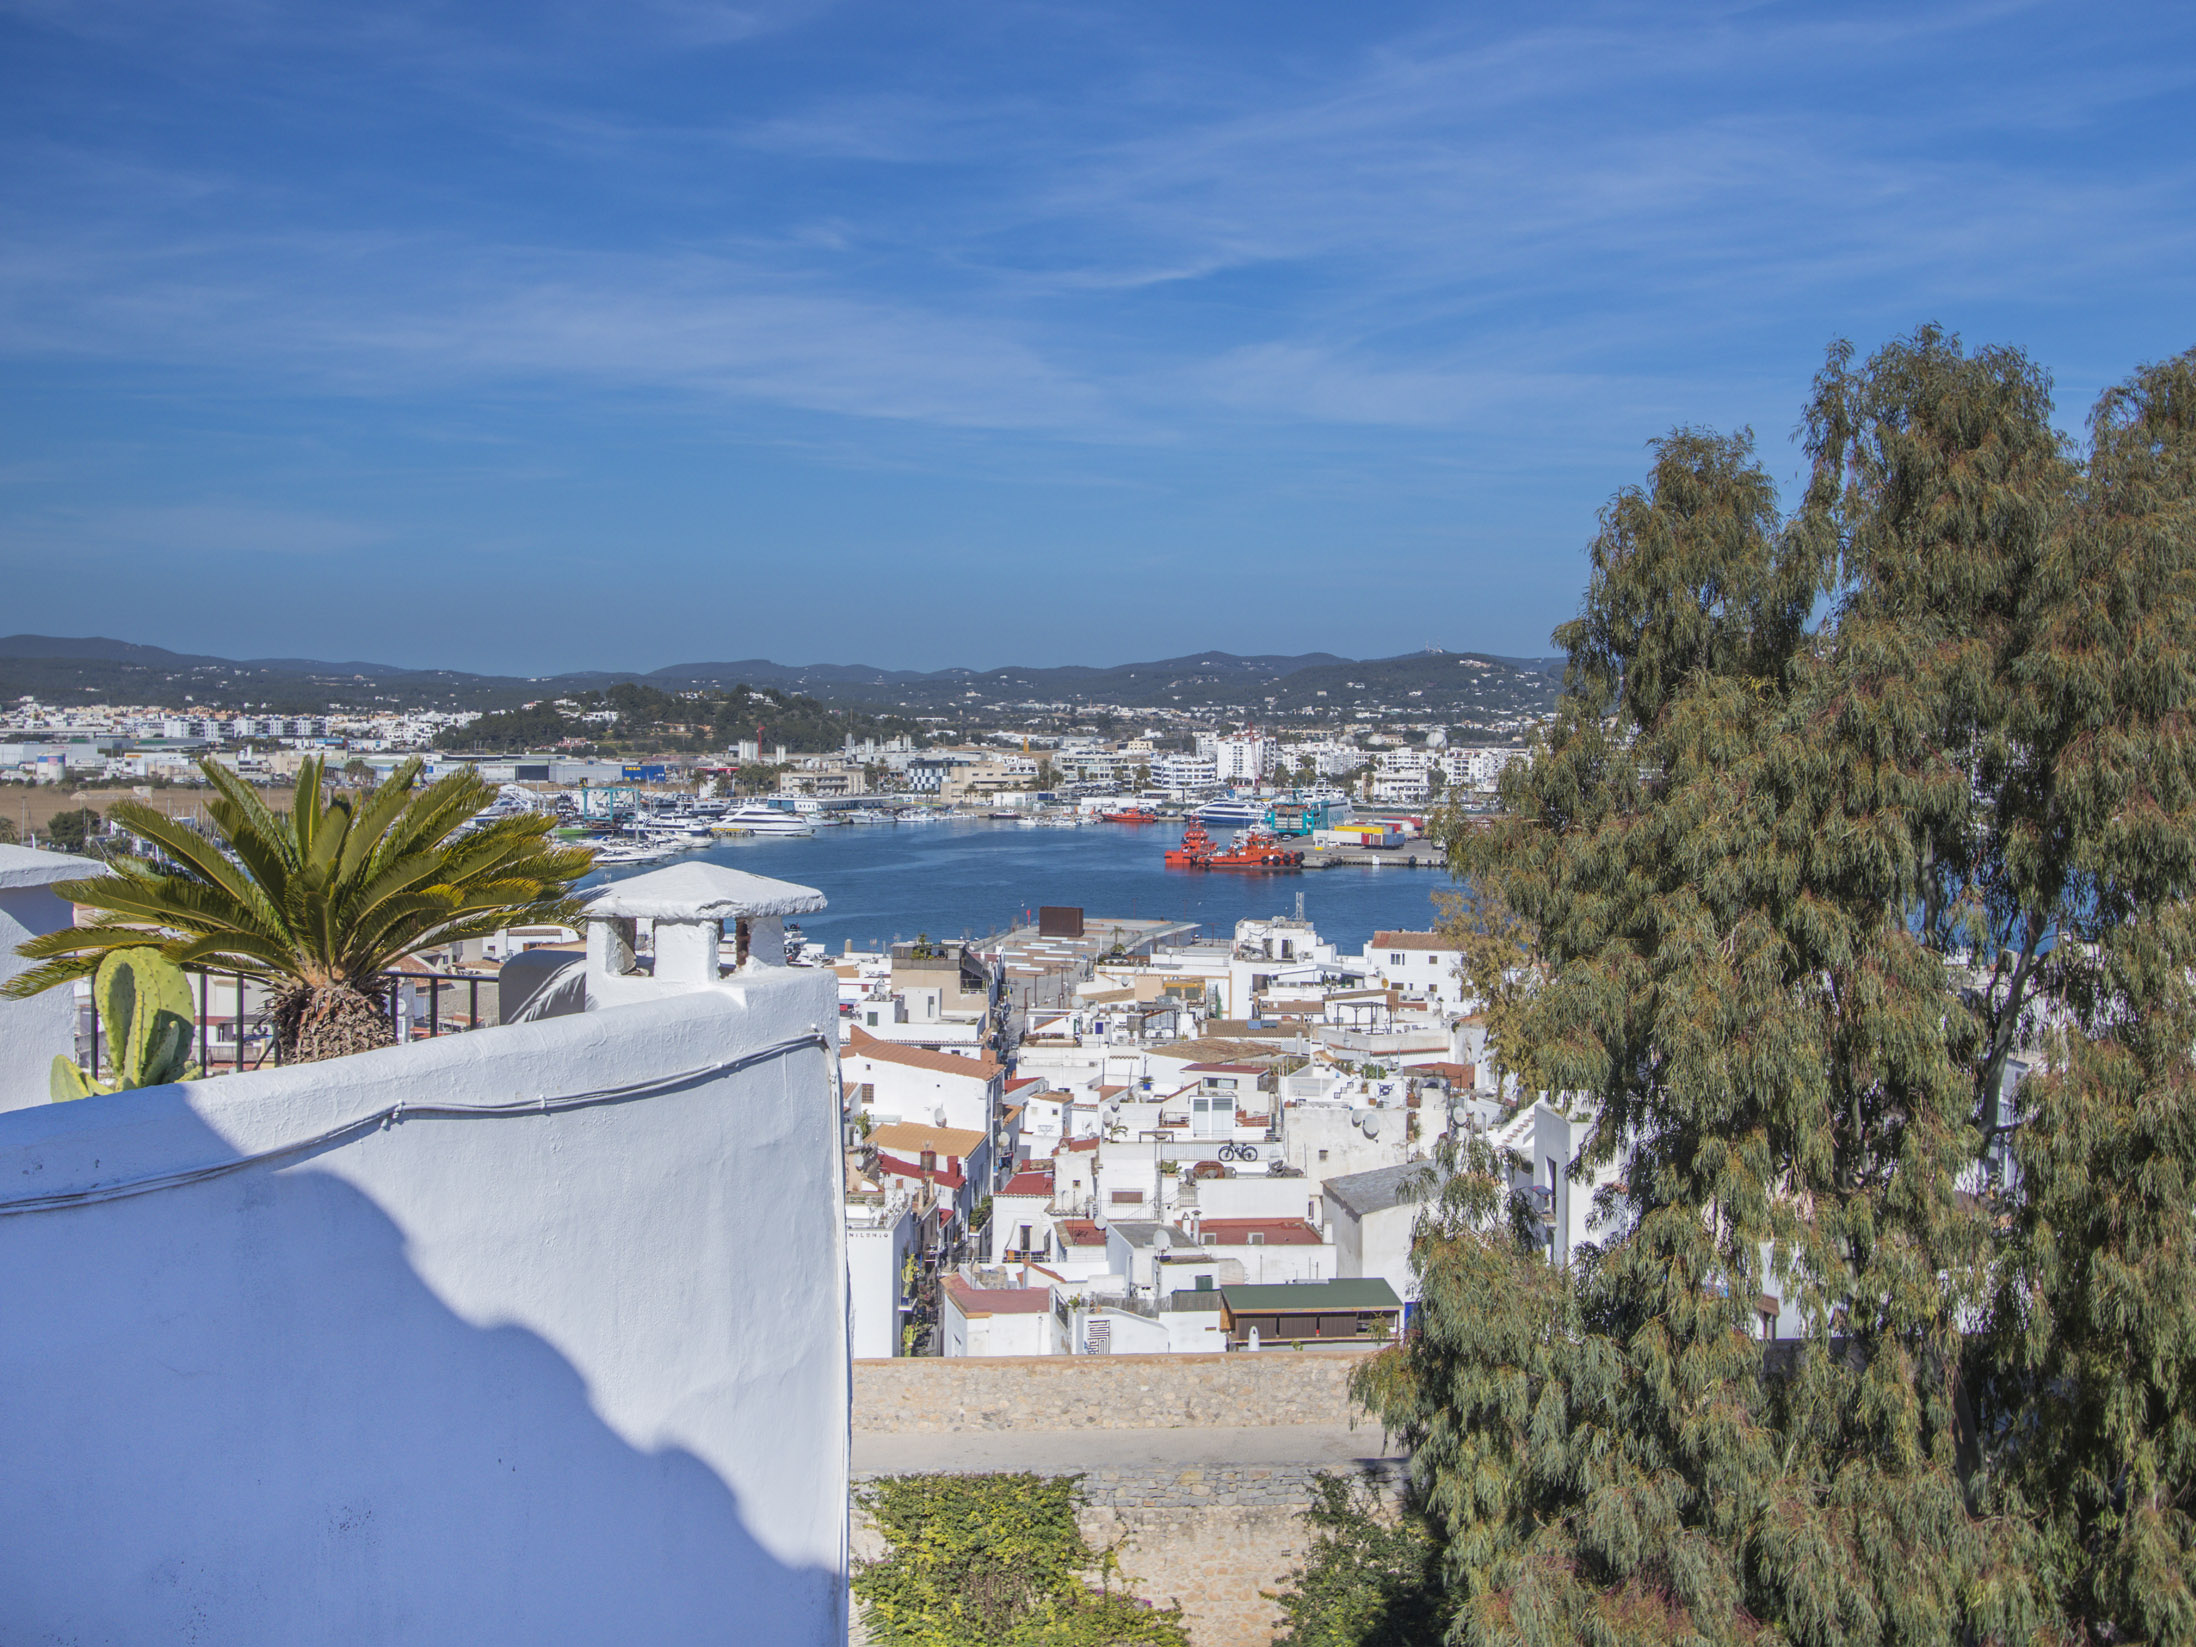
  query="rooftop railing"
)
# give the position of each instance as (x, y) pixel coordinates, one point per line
(244, 1036)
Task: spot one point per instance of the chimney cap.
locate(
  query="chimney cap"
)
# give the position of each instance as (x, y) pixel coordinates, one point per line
(701, 892)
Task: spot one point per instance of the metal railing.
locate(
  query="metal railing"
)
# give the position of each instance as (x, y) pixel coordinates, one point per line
(252, 1041)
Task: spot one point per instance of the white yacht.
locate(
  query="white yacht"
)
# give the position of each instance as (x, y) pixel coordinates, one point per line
(616, 853)
(1231, 812)
(761, 818)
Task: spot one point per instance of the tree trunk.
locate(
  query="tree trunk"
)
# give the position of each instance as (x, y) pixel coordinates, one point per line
(333, 1021)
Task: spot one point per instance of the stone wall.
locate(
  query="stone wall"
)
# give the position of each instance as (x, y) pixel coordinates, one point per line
(925, 1395)
(1211, 1533)
(1214, 1539)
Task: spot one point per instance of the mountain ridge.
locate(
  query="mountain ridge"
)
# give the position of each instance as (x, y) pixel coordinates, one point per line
(51, 667)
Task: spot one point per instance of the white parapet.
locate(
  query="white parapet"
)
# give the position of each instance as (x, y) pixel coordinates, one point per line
(534, 1335)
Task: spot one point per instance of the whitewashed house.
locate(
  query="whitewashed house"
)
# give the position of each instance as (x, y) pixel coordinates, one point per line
(904, 1083)
(1370, 1216)
(978, 1320)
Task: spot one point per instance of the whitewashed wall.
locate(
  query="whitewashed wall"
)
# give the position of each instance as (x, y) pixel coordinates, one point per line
(33, 1032)
(571, 1377)
(877, 1246)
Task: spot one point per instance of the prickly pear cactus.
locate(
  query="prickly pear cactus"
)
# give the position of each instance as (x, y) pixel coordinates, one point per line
(68, 1081)
(144, 1003)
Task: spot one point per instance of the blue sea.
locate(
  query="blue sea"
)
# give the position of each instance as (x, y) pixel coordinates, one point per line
(973, 878)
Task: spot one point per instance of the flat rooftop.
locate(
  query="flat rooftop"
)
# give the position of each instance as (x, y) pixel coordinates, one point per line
(1028, 955)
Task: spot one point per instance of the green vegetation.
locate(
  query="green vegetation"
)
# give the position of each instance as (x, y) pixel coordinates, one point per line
(995, 1561)
(517, 732)
(76, 830)
(651, 721)
(144, 1004)
(319, 901)
(1789, 892)
(1370, 1579)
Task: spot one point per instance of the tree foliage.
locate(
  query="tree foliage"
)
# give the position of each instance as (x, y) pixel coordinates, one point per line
(319, 901)
(2089, 1369)
(537, 726)
(75, 830)
(1839, 814)
(995, 1561)
(1369, 1579)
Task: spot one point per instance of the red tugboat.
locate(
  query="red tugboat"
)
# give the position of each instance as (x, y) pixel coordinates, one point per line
(1196, 849)
(1134, 815)
(1254, 849)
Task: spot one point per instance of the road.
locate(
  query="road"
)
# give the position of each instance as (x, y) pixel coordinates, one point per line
(1058, 1452)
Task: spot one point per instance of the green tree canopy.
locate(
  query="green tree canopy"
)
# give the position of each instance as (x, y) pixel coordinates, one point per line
(76, 830)
(1838, 814)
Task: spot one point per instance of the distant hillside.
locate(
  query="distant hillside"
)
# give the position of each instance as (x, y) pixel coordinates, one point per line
(1470, 688)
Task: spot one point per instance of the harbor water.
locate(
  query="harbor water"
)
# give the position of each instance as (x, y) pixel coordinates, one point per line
(970, 878)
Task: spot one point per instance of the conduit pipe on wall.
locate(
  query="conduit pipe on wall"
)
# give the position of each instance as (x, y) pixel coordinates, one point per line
(400, 1111)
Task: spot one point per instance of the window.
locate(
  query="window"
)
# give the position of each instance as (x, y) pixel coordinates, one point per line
(1256, 1238)
(1395, 960)
(1322, 1155)
(1025, 1238)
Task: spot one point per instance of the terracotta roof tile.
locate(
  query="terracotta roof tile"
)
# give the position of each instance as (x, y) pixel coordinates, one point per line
(862, 1044)
(977, 1301)
(1277, 1232)
(944, 1176)
(913, 1138)
(1410, 940)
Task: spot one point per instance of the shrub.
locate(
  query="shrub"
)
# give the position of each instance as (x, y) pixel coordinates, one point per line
(996, 1561)
(1370, 1579)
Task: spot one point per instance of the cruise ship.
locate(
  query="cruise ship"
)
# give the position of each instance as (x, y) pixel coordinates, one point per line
(761, 818)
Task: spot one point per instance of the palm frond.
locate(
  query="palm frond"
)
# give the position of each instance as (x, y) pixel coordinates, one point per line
(334, 891)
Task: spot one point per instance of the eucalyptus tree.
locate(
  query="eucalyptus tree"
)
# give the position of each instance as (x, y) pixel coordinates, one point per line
(1791, 863)
(2088, 1375)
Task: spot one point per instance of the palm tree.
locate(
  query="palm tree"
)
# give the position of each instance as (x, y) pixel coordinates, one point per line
(320, 901)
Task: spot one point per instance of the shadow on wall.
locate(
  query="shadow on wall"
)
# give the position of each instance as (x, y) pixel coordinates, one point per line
(361, 1465)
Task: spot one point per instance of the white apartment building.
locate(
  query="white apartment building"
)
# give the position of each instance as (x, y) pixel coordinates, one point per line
(1331, 759)
(1401, 777)
(1478, 769)
(1115, 768)
(1184, 777)
(1419, 963)
(1239, 757)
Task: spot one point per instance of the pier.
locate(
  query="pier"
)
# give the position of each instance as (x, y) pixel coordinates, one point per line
(1409, 855)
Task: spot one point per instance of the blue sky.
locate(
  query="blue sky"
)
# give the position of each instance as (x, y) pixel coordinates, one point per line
(570, 335)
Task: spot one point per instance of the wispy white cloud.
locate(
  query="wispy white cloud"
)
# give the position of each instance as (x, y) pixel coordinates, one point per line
(1384, 238)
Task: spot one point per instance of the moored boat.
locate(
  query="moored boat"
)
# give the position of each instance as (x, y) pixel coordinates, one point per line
(1254, 850)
